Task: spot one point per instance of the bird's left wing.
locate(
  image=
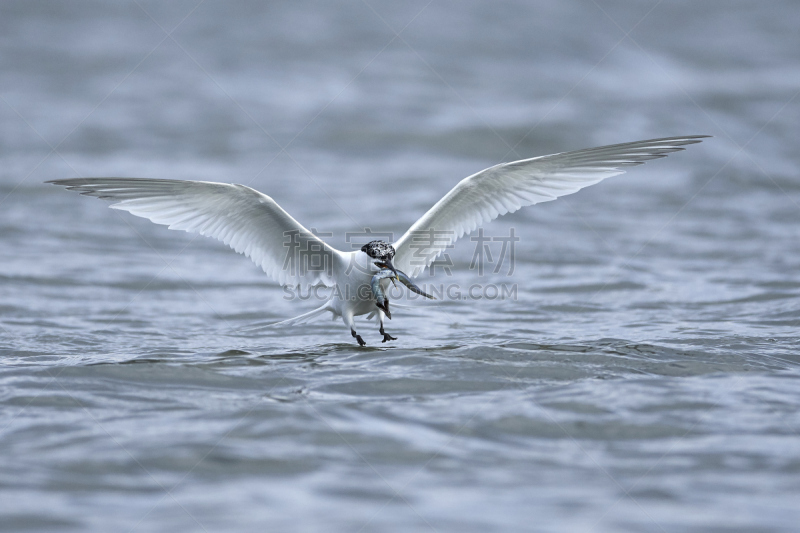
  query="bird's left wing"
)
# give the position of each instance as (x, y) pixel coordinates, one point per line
(507, 187)
(248, 221)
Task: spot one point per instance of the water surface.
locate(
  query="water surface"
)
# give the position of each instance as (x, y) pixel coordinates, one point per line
(645, 377)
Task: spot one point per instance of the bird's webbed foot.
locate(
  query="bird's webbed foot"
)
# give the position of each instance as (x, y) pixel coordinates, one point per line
(386, 336)
(358, 338)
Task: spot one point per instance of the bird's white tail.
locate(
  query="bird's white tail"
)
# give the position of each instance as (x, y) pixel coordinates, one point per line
(304, 318)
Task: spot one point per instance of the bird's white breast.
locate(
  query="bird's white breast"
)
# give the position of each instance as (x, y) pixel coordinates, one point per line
(353, 284)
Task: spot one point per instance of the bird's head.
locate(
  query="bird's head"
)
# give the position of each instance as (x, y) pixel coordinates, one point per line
(382, 252)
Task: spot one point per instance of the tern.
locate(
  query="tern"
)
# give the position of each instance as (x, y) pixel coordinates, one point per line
(253, 224)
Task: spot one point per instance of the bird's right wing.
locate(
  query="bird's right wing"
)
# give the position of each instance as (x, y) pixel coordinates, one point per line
(507, 187)
(248, 221)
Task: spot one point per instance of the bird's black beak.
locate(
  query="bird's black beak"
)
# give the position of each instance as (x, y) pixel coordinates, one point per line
(387, 263)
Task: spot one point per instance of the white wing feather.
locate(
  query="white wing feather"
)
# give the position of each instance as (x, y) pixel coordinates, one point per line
(507, 187)
(248, 221)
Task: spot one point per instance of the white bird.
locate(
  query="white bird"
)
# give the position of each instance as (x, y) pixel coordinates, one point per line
(253, 224)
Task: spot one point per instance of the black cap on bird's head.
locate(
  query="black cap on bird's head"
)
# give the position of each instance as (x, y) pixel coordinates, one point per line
(383, 252)
(378, 250)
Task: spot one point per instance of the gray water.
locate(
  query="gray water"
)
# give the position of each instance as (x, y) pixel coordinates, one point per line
(645, 375)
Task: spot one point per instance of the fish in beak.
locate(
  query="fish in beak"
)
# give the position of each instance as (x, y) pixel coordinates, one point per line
(380, 297)
(402, 277)
(387, 264)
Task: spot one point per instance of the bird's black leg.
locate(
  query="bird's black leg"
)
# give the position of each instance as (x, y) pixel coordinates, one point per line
(386, 336)
(358, 338)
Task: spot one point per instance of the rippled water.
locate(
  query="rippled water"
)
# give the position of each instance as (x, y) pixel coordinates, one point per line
(645, 378)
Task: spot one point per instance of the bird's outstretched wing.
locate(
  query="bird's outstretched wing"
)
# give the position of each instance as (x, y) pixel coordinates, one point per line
(248, 221)
(507, 187)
